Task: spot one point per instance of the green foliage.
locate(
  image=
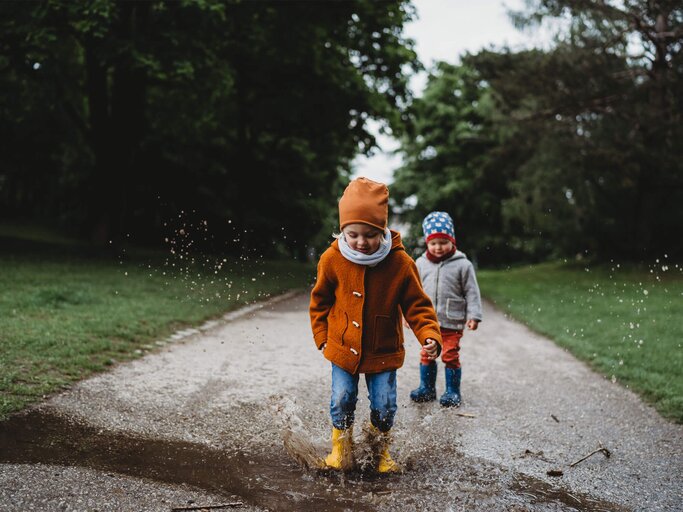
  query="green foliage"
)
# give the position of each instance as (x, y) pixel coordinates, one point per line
(575, 146)
(121, 114)
(623, 321)
(446, 165)
(63, 316)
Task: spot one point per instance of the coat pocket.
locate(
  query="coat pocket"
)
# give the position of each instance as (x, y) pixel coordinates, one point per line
(337, 323)
(343, 326)
(456, 308)
(386, 334)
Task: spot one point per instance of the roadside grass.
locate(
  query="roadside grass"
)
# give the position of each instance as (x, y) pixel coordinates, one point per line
(626, 322)
(64, 316)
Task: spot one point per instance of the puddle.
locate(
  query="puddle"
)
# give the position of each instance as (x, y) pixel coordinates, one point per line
(540, 492)
(268, 478)
(274, 483)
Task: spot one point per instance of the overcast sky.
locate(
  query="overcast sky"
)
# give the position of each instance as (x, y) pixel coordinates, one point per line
(444, 30)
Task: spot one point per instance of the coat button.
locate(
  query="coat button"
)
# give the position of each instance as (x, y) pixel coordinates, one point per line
(358, 294)
(354, 351)
(355, 324)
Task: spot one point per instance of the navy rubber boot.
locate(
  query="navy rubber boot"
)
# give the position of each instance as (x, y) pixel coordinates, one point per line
(451, 398)
(427, 390)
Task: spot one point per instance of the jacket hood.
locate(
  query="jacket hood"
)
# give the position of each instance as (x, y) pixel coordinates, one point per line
(396, 243)
(458, 255)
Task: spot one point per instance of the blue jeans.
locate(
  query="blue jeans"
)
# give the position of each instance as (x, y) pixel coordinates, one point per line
(381, 392)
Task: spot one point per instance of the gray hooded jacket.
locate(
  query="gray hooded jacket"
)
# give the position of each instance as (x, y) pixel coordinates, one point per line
(453, 288)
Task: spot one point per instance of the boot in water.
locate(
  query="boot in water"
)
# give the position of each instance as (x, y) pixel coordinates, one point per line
(380, 442)
(341, 456)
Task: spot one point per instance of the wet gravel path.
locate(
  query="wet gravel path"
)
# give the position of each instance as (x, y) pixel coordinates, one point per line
(201, 422)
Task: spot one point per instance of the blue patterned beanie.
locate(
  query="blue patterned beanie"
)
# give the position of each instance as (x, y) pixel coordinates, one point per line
(438, 225)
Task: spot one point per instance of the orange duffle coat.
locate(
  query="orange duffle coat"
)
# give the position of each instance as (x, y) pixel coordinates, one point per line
(357, 309)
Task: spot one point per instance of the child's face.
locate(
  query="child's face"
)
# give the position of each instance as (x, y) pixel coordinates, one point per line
(362, 238)
(439, 246)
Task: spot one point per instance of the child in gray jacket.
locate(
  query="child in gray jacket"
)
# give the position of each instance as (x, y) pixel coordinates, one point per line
(449, 280)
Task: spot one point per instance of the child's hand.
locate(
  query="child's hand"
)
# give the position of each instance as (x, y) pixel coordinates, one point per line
(431, 348)
(472, 324)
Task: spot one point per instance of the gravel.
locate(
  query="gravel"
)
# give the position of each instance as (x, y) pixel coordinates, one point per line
(201, 422)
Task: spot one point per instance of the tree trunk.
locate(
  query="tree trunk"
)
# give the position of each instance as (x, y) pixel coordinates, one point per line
(117, 99)
(99, 136)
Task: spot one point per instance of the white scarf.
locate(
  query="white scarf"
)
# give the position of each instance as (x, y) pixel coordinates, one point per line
(366, 259)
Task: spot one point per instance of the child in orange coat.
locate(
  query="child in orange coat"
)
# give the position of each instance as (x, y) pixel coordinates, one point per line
(365, 282)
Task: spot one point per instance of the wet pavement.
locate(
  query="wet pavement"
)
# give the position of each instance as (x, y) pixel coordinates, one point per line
(274, 483)
(202, 422)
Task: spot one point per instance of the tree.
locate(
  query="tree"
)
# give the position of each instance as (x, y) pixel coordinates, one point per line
(451, 163)
(580, 138)
(242, 111)
(619, 115)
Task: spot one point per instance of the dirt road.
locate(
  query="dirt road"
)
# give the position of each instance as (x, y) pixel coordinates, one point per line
(200, 422)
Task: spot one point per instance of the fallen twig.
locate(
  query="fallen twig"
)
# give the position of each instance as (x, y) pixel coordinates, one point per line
(465, 414)
(601, 449)
(209, 507)
(554, 472)
(554, 417)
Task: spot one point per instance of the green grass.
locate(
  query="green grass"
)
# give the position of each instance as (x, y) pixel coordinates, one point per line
(64, 317)
(627, 323)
